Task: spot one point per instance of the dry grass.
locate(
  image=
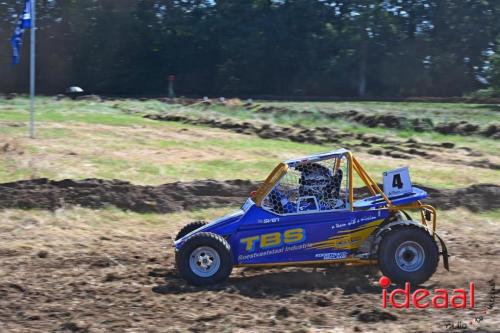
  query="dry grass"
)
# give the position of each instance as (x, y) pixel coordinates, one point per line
(63, 229)
(156, 155)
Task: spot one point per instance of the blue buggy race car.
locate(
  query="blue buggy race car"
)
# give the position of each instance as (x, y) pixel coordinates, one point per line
(308, 212)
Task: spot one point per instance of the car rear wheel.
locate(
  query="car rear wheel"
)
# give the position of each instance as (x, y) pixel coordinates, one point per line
(408, 254)
(205, 258)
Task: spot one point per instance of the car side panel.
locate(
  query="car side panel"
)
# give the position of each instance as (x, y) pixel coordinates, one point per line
(263, 237)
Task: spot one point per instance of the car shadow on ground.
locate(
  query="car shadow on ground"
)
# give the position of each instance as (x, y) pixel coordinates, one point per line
(262, 283)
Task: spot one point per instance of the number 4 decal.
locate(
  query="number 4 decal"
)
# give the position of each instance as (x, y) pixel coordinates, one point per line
(396, 181)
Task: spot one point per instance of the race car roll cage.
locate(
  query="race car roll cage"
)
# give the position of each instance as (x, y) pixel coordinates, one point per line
(427, 212)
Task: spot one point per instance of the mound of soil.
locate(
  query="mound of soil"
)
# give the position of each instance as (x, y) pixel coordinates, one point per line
(466, 128)
(231, 102)
(97, 193)
(182, 101)
(315, 135)
(388, 120)
(477, 197)
(318, 135)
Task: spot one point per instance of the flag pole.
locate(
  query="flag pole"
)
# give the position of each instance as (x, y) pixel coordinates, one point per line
(32, 69)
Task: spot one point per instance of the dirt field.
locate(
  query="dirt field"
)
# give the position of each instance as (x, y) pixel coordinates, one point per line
(185, 196)
(71, 271)
(89, 209)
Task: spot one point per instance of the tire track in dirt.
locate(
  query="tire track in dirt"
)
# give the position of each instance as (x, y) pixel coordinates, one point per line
(179, 196)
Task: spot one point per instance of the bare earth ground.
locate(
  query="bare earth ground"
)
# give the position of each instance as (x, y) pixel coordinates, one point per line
(96, 271)
(82, 270)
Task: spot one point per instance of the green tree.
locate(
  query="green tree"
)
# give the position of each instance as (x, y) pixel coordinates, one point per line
(367, 48)
(494, 68)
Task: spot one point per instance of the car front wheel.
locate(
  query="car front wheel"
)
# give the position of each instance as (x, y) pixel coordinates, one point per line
(204, 259)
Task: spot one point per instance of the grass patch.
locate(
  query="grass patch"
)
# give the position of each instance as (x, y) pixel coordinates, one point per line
(463, 216)
(77, 139)
(88, 112)
(437, 112)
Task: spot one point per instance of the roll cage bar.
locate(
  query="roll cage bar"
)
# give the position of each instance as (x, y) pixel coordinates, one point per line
(427, 212)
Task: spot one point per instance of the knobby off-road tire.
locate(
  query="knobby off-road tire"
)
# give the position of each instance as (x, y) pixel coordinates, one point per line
(408, 254)
(204, 259)
(189, 228)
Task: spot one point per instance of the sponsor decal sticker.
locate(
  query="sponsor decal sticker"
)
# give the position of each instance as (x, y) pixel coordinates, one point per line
(271, 220)
(332, 255)
(274, 239)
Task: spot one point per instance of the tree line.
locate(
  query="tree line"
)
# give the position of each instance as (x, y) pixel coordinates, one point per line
(378, 48)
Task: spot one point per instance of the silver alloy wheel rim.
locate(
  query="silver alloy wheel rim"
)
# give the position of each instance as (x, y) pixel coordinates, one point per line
(204, 261)
(410, 256)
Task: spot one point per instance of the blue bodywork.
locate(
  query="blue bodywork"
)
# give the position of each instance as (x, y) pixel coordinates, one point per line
(258, 236)
(398, 200)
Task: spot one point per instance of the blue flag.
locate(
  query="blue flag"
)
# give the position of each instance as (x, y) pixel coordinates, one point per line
(23, 23)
